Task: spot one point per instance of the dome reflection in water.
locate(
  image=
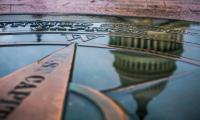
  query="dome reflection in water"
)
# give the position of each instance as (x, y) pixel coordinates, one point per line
(136, 69)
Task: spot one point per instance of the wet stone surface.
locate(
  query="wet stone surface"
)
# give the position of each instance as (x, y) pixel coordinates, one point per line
(150, 67)
(174, 9)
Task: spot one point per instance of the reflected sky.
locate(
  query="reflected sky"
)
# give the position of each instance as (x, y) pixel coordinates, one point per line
(13, 58)
(32, 38)
(95, 69)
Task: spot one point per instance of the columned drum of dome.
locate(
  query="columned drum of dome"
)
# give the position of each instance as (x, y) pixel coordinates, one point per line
(161, 41)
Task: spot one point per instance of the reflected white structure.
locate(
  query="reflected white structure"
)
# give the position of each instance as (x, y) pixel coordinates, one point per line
(134, 68)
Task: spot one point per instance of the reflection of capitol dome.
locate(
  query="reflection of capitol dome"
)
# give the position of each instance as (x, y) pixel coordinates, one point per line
(135, 68)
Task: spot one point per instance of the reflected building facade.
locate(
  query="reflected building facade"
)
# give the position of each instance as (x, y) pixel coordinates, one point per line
(136, 68)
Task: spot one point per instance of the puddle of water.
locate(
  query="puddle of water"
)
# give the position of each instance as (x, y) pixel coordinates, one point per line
(122, 74)
(104, 69)
(179, 100)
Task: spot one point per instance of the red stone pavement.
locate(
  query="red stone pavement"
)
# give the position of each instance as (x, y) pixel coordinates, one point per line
(173, 9)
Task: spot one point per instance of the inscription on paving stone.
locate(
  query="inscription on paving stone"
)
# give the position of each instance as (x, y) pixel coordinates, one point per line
(20, 92)
(78, 27)
(24, 88)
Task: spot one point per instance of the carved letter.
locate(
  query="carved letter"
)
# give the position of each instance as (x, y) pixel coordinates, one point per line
(19, 95)
(35, 79)
(5, 112)
(25, 85)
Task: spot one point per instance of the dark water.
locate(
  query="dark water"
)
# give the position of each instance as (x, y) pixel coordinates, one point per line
(176, 98)
(169, 61)
(80, 107)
